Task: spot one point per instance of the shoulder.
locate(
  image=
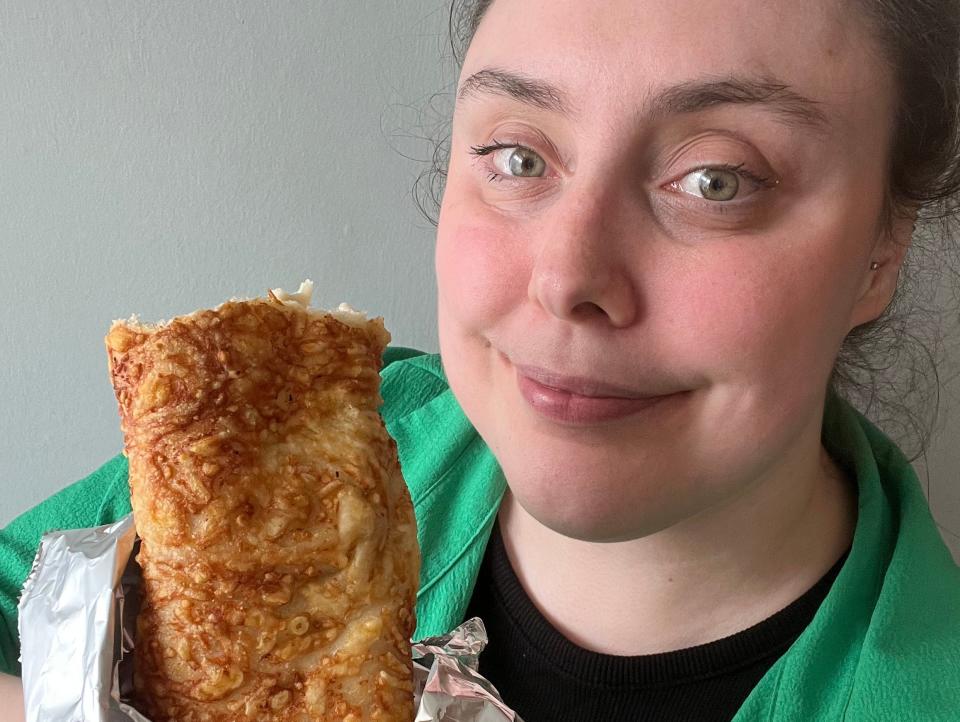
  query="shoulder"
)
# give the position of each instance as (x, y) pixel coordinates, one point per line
(102, 497)
(410, 379)
(883, 643)
(455, 484)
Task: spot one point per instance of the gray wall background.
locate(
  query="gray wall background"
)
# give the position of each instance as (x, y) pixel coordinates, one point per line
(158, 157)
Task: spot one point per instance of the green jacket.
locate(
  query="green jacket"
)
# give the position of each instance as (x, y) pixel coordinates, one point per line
(884, 645)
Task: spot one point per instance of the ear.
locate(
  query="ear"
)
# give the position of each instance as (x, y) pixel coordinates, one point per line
(878, 286)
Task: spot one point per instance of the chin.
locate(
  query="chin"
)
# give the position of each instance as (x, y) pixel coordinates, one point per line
(609, 511)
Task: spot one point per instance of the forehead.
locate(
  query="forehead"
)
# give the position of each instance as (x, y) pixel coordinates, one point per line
(607, 54)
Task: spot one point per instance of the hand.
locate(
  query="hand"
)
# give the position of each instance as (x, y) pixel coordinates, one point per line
(11, 698)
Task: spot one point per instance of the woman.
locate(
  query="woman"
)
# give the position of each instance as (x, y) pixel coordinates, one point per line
(660, 223)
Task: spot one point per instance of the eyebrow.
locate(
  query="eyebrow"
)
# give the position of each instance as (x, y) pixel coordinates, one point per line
(791, 108)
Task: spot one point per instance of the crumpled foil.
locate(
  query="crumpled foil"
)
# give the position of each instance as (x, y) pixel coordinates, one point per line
(77, 620)
(68, 614)
(453, 689)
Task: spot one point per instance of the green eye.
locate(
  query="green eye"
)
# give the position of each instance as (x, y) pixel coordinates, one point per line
(523, 162)
(719, 185)
(712, 184)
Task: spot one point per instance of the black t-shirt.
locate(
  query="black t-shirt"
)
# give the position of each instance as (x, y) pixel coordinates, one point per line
(547, 678)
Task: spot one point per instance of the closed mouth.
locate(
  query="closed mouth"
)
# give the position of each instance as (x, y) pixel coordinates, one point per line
(587, 387)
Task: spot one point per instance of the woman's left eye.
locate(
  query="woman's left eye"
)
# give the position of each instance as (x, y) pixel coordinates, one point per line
(722, 183)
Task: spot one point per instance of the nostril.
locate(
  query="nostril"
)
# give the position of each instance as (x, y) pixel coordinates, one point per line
(588, 309)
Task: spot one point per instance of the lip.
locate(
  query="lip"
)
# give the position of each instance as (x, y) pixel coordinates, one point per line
(577, 400)
(582, 386)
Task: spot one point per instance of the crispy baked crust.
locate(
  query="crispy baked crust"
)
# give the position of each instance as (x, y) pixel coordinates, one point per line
(279, 548)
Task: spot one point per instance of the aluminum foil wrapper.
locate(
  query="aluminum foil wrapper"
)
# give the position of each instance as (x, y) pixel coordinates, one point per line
(453, 690)
(70, 616)
(77, 622)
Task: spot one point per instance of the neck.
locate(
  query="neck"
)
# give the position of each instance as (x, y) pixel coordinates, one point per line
(700, 580)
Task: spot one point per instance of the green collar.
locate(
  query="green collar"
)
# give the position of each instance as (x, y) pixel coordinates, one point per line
(455, 482)
(883, 644)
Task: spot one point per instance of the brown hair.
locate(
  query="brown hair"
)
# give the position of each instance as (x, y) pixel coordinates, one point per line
(888, 368)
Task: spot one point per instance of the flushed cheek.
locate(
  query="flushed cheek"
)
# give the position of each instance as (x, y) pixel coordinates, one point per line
(766, 325)
(482, 275)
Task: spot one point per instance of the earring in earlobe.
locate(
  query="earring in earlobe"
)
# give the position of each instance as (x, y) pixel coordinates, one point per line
(874, 266)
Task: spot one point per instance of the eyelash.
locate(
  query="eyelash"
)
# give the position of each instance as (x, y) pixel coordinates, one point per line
(739, 169)
(495, 145)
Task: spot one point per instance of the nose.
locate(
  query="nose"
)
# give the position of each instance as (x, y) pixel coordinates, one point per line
(581, 268)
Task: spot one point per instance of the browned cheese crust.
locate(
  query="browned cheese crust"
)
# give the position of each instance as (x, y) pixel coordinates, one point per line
(279, 548)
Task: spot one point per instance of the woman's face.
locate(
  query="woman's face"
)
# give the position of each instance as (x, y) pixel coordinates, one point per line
(685, 206)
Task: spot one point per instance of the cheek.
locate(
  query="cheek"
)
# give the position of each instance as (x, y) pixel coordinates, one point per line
(790, 296)
(482, 274)
(773, 321)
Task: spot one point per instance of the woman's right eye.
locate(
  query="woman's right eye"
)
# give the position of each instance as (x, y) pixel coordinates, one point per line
(511, 160)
